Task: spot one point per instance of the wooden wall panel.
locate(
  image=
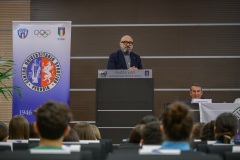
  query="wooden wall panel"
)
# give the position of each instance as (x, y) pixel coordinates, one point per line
(136, 11)
(158, 41)
(167, 73)
(83, 104)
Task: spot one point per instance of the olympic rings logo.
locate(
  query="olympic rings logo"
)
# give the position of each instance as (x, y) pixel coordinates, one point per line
(42, 33)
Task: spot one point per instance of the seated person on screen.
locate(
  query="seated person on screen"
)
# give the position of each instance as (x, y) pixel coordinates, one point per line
(177, 125)
(3, 132)
(226, 127)
(52, 124)
(195, 92)
(125, 58)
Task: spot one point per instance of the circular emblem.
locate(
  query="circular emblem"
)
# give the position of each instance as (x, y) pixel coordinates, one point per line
(41, 71)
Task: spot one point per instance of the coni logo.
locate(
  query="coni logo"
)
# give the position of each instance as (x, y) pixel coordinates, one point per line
(22, 33)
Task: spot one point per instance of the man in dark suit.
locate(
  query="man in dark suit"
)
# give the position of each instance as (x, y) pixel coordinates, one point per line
(125, 58)
(195, 92)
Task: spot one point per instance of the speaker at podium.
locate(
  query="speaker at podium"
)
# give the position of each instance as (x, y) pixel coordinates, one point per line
(123, 97)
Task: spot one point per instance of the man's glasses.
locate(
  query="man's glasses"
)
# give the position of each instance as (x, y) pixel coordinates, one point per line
(127, 42)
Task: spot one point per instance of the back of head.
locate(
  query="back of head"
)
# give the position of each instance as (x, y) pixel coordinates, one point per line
(177, 122)
(3, 132)
(84, 131)
(136, 134)
(149, 118)
(226, 127)
(18, 128)
(52, 119)
(151, 133)
(71, 137)
(96, 132)
(32, 133)
(197, 130)
(208, 131)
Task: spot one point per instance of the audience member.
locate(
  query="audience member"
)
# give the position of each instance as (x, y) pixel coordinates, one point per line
(136, 134)
(226, 127)
(52, 124)
(71, 137)
(125, 58)
(3, 132)
(177, 124)
(148, 118)
(84, 131)
(18, 128)
(151, 133)
(208, 131)
(32, 133)
(197, 130)
(96, 131)
(195, 92)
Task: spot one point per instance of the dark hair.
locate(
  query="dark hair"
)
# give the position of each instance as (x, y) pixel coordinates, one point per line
(148, 118)
(151, 133)
(226, 127)
(208, 131)
(3, 131)
(32, 133)
(136, 134)
(52, 119)
(177, 121)
(84, 131)
(18, 128)
(197, 130)
(71, 137)
(195, 84)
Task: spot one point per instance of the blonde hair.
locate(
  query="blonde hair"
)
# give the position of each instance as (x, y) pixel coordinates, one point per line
(96, 131)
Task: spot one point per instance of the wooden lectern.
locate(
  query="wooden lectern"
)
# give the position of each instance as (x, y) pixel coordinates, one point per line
(123, 98)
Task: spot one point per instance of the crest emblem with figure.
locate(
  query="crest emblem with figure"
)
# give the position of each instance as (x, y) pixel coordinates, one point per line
(41, 71)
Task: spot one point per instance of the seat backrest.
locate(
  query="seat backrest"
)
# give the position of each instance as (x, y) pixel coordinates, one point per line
(26, 155)
(202, 148)
(184, 156)
(220, 149)
(95, 148)
(20, 146)
(129, 145)
(5, 148)
(109, 145)
(195, 144)
(231, 156)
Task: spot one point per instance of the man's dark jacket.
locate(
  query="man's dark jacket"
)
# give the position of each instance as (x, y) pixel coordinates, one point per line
(117, 61)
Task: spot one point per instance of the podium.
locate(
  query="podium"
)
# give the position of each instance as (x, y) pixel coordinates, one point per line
(123, 97)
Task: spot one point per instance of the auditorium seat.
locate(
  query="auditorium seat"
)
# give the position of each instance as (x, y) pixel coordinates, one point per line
(231, 156)
(183, 156)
